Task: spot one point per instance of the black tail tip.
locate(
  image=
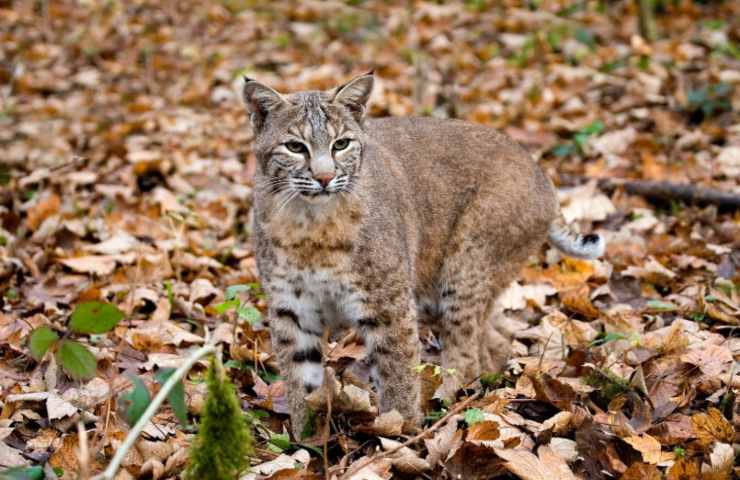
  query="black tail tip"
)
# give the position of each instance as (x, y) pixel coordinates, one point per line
(590, 238)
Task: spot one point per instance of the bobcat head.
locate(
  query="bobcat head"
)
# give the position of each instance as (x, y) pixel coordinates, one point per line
(309, 145)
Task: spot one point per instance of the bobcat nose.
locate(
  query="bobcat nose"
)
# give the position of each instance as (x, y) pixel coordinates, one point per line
(324, 178)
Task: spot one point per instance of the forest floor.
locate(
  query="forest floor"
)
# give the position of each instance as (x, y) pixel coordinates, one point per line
(125, 178)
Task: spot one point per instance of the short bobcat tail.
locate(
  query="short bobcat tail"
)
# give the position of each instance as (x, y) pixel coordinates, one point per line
(574, 244)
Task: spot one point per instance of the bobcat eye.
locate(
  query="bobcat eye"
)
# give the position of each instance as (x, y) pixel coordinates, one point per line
(296, 147)
(341, 144)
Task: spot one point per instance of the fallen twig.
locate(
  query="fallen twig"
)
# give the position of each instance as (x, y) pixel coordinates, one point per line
(360, 465)
(663, 191)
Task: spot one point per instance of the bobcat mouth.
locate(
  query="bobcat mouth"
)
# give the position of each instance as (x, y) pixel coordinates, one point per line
(317, 193)
(317, 198)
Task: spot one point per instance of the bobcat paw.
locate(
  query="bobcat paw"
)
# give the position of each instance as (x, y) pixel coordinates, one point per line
(447, 392)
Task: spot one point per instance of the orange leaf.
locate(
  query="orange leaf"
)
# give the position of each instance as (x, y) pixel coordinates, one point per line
(711, 427)
(486, 430)
(576, 300)
(641, 471)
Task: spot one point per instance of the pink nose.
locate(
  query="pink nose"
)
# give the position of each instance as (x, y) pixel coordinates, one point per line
(324, 178)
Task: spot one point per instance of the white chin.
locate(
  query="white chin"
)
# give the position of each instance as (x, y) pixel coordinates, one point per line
(317, 200)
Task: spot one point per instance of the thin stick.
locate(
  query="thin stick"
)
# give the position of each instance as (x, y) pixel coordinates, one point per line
(329, 394)
(360, 465)
(663, 191)
(84, 453)
(133, 434)
(327, 426)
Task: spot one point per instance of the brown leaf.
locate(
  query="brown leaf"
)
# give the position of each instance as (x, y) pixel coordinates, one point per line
(444, 443)
(648, 446)
(552, 390)
(641, 471)
(683, 469)
(486, 430)
(569, 273)
(388, 424)
(354, 351)
(474, 462)
(674, 430)
(711, 427)
(45, 207)
(527, 466)
(404, 459)
(577, 300)
(713, 360)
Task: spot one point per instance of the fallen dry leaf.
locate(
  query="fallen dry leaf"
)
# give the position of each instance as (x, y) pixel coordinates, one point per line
(712, 426)
(404, 460)
(546, 466)
(648, 446)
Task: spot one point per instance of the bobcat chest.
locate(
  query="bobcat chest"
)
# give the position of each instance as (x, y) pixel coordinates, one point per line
(313, 272)
(320, 296)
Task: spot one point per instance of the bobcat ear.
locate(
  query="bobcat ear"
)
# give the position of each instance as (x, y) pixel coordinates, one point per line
(260, 101)
(355, 94)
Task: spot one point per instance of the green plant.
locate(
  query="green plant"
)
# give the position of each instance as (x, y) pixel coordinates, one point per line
(22, 473)
(473, 416)
(579, 141)
(608, 383)
(221, 449)
(604, 338)
(244, 310)
(92, 318)
(136, 400)
(492, 381)
(709, 100)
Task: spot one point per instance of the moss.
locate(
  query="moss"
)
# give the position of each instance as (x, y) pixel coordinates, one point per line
(221, 449)
(609, 385)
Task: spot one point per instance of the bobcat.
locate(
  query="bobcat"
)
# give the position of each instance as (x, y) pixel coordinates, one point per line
(376, 223)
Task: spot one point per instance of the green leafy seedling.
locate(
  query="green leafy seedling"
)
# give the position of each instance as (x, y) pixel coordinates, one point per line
(176, 397)
(41, 339)
(245, 311)
(135, 401)
(473, 416)
(76, 360)
(280, 441)
(95, 317)
(22, 473)
(605, 338)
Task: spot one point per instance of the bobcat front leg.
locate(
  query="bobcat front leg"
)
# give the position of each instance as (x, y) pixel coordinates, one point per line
(393, 347)
(296, 340)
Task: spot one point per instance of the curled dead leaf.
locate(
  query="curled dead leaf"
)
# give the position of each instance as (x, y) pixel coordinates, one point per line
(388, 424)
(405, 460)
(712, 426)
(647, 445)
(578, 300)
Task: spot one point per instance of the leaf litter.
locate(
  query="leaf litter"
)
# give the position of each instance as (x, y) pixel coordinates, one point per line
(126, 181)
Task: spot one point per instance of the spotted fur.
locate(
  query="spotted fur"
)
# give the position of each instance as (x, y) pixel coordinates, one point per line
(378, 224)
